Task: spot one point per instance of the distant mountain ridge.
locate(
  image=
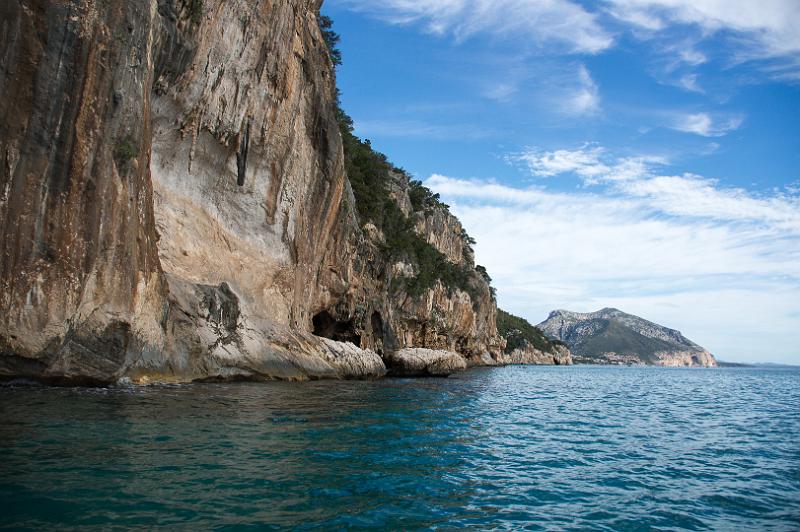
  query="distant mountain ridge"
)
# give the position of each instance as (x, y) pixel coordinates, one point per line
(610, 336)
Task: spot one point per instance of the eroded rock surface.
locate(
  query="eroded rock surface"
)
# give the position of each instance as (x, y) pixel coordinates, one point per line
(174, 204)
(418, 362)
(526, 344)
(81, 286)
(559, 355)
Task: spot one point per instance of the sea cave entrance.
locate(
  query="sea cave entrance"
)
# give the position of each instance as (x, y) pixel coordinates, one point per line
(329, 327)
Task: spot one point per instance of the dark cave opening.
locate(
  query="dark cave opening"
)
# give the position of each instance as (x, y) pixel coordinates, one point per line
(327, 326)
(377, 331)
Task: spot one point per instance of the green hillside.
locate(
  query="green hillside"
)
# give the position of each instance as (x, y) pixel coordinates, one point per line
(517, 332)
(616, 337)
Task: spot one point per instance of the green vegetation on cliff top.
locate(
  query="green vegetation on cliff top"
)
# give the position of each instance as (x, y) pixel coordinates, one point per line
(370, 174)
(518, 332)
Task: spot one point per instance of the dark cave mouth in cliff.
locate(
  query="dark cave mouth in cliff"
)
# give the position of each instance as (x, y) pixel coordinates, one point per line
(377, 331)
(329, 327)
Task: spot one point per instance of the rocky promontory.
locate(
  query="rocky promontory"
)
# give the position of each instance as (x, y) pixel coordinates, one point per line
(610, 336)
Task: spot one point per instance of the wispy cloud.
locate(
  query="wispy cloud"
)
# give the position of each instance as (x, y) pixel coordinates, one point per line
(689, 83)
(637, 16)
(592, 163)
(502, 91)
(694, 196)
(703, 124)
(688, 195)
(686, 53)
(585, 98)
(767, 31)
(421, 129)
(771, 26)
(561, 22)
(584, 161)
(716, 262)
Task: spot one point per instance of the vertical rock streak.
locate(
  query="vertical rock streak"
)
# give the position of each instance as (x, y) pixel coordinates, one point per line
(175, 206)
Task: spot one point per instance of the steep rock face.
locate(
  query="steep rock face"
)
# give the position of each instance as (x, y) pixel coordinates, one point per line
(247, 165)
(81, 290)
(368, 293)
(442, 317)
(175, 207)
(613, 337)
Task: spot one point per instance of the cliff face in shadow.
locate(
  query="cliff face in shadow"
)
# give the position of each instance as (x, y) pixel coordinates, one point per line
(175, 205)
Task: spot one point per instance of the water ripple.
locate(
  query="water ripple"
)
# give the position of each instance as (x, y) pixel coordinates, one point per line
(581, 448)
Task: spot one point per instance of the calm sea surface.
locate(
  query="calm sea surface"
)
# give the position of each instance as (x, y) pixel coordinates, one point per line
(589, 448)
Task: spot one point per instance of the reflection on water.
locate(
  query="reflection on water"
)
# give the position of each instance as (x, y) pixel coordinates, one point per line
(584, 447)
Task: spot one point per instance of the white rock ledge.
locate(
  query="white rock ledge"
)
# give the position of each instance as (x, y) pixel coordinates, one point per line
(418, 362)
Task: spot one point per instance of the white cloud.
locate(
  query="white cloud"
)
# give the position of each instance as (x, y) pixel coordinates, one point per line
(721, 264)
(637, 16)
(692, 195)
(703, 124)
(584, 161)
(552, 21)
(501, 92)
(585, 99)
(590, 162)
(689, 83)
(688, 54)
(687, 195)
(698, 123)
(774, 24)
(766, 27)
(763, 30)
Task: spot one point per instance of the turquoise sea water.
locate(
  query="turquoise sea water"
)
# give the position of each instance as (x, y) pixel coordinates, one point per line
(561, 448)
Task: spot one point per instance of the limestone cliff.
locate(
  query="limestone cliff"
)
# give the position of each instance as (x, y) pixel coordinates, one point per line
(81, 285)
(174, 205)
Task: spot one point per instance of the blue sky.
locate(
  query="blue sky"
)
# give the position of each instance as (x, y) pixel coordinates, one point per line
(641, 154)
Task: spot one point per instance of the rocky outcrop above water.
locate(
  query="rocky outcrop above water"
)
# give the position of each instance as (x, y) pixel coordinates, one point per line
(174, 205)
(417, 362)
(610, 336)
(559, 355)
